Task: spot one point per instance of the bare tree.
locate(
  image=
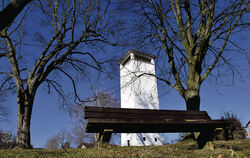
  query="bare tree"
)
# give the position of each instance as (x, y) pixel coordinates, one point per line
(3, 109)
(52, 143)
(77, 135)
(191, 38)
(7, 140)
(10, 12)
(59, 140)
(62, 137)
(234, 131)
(101, 99)
(75, 28)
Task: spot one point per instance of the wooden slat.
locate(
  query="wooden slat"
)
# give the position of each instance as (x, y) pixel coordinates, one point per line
(160, 121)
(154, 127)
(126, 110)
(91, 112)
(143, 116)
(145, 121)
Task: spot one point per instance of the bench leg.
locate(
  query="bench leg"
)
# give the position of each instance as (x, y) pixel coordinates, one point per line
(205, 139)
(104, 137)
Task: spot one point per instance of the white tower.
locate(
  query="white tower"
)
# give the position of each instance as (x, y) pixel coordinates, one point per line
(139, 90)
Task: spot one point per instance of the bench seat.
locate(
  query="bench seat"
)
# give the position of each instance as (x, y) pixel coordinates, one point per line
(152, 126)
(123, 120)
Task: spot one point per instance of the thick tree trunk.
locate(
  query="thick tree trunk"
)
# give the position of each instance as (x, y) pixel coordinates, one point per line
(192, 99)
(24, 105)
(192, 94)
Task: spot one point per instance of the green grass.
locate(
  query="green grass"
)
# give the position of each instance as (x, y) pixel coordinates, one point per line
(237, 148)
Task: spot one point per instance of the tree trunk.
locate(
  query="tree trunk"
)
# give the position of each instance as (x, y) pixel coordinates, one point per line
(24, 106)
(192, 99)
(192, 94)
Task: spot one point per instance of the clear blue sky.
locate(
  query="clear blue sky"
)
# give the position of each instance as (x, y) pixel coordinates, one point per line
(216, 97)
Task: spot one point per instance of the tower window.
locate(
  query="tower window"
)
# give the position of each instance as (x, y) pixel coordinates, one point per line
(144, 138)
(156, 139)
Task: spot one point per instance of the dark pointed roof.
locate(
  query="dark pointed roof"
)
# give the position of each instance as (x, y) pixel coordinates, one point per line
(136, 52)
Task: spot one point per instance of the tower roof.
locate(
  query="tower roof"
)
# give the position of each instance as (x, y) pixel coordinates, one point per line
(136, 52)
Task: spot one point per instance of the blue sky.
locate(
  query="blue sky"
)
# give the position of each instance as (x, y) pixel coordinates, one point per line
(216, 97)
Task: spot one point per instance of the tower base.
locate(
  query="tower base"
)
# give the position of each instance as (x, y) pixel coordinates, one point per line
(141, 139)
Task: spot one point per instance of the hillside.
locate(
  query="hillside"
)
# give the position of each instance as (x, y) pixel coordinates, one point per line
(236, 148)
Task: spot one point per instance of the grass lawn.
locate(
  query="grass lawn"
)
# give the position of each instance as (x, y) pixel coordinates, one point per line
(236, 148)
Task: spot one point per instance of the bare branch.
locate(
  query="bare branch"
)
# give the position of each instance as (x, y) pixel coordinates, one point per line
(91, 56)
(58, 90)
(3, 55)
(9, 13)
(73, 83)
(5, 82)
(232, 26)
(20, 22)
(7, 73)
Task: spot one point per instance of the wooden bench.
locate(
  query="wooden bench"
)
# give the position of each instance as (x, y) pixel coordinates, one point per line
(105, 121)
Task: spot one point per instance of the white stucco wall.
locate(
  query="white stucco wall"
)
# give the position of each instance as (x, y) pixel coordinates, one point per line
(139, 93)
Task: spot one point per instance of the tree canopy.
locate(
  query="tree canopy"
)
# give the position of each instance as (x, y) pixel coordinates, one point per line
(191, 38)
(74, 31)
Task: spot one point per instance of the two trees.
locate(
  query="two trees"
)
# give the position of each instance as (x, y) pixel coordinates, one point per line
(192, 37)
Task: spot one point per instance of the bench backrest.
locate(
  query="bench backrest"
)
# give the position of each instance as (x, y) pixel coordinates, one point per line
(124, 113)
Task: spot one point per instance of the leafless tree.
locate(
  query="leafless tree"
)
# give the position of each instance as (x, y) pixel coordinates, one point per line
(7, 140)
(75, 29)
(77, 135)
(52, 143)
(3, 109)
(59, 140)
(192, 38)
(101, 99)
